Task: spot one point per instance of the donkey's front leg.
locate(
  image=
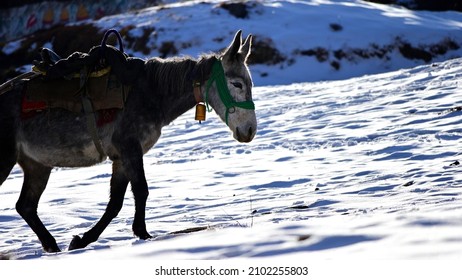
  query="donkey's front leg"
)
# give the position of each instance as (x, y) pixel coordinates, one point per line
(132, 158)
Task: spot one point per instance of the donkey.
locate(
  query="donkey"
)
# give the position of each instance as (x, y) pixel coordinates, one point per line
(166, 89)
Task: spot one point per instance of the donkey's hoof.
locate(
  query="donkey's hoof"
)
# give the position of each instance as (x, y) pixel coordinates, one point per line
(143, 235)
(146, 236)
(76, 243)
(52, 249)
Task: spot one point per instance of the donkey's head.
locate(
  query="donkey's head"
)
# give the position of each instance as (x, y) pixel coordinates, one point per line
(229, 90)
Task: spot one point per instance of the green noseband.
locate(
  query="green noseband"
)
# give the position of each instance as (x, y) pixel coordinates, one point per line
(218, 76)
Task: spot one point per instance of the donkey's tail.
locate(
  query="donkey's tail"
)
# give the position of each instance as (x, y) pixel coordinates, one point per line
(7, 148)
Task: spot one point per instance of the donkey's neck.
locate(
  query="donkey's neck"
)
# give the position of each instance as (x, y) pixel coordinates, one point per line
(171, 83)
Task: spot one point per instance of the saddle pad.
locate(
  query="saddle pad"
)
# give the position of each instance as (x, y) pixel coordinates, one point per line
(105, 92)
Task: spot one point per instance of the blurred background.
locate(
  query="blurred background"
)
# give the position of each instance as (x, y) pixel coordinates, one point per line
(295, 41)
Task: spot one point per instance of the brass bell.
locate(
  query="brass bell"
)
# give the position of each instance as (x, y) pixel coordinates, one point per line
(200, 112)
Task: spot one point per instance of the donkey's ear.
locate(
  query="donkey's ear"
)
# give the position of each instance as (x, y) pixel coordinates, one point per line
(246, 47)
(231, 52)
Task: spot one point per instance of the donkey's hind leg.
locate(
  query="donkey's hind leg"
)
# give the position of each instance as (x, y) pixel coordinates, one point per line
(35, 180)
(119, 183)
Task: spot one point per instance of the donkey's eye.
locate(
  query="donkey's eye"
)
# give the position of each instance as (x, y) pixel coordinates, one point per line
(237, 84)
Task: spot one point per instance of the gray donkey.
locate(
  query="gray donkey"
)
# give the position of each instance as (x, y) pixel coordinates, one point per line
(163, 91)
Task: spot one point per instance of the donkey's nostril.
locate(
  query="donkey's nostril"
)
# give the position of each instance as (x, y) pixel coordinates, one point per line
(250, 131)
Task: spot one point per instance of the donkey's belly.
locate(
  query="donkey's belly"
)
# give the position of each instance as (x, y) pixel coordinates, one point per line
(73, 156)
(58, 141)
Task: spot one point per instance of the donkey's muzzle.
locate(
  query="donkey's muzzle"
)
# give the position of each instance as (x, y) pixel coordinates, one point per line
(246, 136)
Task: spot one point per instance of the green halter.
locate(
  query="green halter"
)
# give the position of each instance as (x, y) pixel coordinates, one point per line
(218, 76)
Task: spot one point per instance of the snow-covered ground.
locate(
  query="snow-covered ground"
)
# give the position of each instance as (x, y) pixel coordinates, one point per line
(366, 168)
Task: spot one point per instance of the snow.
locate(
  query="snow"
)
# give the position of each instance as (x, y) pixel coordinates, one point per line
(365, 168)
